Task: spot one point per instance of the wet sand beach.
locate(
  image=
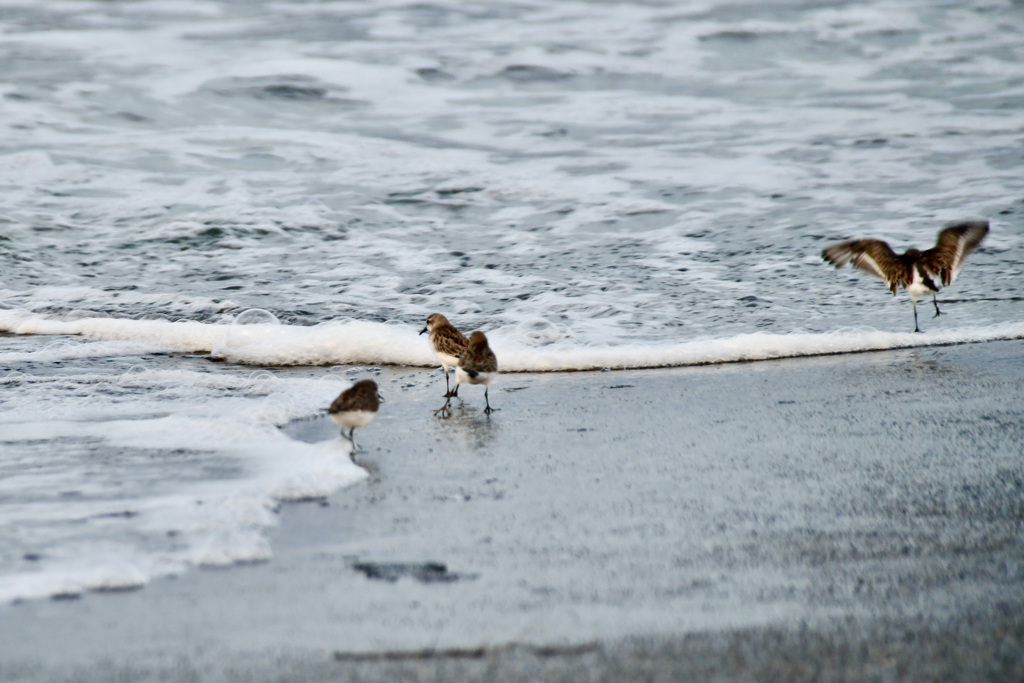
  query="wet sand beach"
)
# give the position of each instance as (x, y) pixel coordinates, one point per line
(842, 517)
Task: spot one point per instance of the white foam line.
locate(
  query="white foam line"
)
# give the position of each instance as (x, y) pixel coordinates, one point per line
(359, 342)
(745, 347)
(332, 343)
(175, 336)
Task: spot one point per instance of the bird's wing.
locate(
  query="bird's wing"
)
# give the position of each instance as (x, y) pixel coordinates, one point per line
(360, 396)
(871, 256)
(343, 403)
(490, 363)
(450, 341)
(475, 360)
(955, 242)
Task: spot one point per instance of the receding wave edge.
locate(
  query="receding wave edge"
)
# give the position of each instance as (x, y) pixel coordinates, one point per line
(372, 343)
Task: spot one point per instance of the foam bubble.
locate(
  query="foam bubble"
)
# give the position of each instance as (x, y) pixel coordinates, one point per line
(256, 316)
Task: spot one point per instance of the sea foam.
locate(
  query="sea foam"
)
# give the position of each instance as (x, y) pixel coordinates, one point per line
(362, 342)
(126, 477)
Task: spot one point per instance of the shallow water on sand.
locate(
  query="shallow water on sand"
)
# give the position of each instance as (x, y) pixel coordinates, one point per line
(594, 184)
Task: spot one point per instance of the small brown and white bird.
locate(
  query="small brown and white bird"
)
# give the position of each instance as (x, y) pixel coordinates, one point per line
(918, 272)
(447, 343)
(477, 365)
(355, 407)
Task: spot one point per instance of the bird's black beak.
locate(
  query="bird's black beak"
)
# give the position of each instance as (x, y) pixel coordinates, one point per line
(423, 330)
(380, 397)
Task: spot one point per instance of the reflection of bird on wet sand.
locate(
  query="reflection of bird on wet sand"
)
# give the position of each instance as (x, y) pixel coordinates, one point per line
(918, 272)
(465, 428)
(447, 343)
(355, 407)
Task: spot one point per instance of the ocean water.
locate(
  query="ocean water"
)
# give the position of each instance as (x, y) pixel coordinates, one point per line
(594, 184)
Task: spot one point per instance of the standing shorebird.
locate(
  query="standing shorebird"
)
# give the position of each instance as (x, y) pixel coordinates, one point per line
(915, 271)
(355, 407)
(477, 365)
(447, 343)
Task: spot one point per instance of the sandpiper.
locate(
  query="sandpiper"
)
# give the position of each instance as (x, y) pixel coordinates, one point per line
(918, 272)
(477, 365)
(355, 407)
(447, 343)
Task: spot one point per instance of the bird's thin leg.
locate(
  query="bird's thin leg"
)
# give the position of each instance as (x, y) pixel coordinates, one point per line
(916, 328)
(487, 401)
(447, 385)
(936, 302)
(351, 439)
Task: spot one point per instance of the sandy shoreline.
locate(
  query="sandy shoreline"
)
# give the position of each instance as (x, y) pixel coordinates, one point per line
(839, 517)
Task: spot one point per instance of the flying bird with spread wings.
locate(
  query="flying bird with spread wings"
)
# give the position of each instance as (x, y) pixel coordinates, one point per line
(918, 272)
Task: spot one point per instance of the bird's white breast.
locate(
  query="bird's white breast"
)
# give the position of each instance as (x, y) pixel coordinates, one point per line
(918, 287)
(446, 359)
(353, 419)
(481, 377)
